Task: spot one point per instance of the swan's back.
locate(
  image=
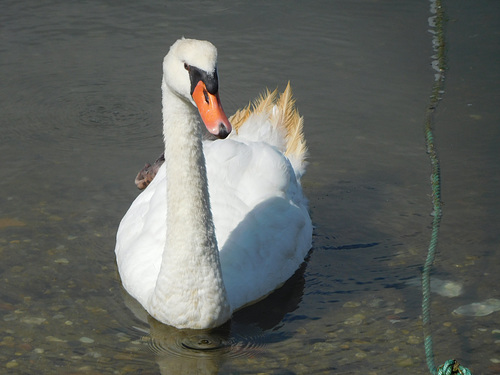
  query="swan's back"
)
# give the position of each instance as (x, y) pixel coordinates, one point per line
(262, 224)
(273, 232)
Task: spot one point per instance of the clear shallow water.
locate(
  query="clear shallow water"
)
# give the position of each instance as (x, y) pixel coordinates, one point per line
(80, 112)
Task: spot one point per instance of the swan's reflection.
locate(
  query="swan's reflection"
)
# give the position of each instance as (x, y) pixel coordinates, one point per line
(188, 351)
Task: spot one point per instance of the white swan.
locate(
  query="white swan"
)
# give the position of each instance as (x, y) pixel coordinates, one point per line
(224, 222)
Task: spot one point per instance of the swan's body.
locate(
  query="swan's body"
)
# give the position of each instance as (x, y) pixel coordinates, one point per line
(224, 222)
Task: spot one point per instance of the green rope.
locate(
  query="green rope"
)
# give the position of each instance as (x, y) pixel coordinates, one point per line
(450, 367)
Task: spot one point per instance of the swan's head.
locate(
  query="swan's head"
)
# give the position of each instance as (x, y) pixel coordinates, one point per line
(190, 71)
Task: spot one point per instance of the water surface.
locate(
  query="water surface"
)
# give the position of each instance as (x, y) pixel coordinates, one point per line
(80, 115)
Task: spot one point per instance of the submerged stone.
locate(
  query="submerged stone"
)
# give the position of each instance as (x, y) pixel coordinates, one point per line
(479, 308)
(33, 320)
(445, 288)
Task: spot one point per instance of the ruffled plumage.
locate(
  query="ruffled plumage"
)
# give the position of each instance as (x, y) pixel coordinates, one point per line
(278, 116)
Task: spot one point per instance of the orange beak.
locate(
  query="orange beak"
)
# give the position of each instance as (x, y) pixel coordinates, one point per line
(211, 111)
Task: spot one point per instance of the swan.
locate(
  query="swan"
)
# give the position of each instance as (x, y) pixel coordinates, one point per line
(224, 222)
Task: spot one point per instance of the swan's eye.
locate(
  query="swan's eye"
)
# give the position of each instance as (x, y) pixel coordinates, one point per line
(186, 66)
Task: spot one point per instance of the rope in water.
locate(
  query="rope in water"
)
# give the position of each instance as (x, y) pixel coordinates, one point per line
(436, 22)
(451, 367)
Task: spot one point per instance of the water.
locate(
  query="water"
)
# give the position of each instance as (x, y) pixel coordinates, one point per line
(80, 105)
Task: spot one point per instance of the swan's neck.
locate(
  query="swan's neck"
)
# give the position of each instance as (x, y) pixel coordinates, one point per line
(189, 291)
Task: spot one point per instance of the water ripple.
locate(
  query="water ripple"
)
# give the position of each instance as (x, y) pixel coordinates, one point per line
(94, 115)
(166, 341)
(111, 119)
